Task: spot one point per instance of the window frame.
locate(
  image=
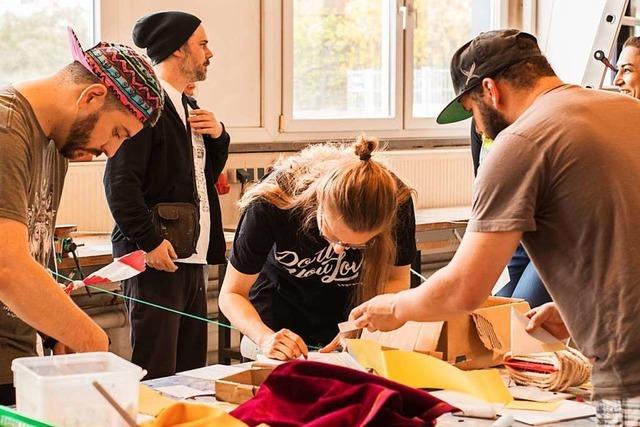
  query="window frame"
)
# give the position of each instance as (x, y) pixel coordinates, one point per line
(402, 124)
(291, 124)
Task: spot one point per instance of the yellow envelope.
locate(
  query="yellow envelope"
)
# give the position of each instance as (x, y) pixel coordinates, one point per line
(423, 371)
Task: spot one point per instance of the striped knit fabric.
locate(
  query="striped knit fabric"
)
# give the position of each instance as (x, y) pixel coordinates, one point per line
(127, 74)
(622, 412)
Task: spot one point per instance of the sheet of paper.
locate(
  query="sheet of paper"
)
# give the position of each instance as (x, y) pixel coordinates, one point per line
(523, 342)
(502, 281)
(535, 394)
(343, 359)
(423, 371)
(152, 402)
(212, 372)
(528, 405)
(568, 410)
(469, 405)
(180, 391)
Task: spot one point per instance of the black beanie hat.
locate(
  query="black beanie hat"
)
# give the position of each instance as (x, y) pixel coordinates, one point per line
(163, 33)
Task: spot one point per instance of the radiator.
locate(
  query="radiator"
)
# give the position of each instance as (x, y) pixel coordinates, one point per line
(83, 201)
(440, 177)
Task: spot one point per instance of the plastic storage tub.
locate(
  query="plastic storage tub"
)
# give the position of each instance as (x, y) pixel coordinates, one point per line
(59, 389)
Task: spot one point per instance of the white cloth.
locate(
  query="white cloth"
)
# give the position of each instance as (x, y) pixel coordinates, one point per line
(199, 161)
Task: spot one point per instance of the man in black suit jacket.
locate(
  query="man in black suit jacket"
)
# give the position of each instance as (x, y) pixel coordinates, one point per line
(178, 160)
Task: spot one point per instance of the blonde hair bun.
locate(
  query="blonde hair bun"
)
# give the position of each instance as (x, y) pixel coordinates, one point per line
(364, 146)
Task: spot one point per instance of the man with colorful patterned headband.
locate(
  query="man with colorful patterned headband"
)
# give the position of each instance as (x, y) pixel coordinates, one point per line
(88, 108)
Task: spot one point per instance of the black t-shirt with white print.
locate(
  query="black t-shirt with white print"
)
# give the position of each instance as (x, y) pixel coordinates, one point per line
(303, 284)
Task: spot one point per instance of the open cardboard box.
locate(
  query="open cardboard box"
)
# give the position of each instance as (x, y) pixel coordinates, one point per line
(470, 341)
(240, 387)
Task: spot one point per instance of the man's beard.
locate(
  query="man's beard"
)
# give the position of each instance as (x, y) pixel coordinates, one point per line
(493, 122)
(79, 135)
(191, 70)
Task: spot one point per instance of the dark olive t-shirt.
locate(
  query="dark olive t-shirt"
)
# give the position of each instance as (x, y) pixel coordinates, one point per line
(567, 174)
(31, 178)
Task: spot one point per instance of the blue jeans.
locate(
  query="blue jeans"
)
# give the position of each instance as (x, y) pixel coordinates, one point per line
(525, 282)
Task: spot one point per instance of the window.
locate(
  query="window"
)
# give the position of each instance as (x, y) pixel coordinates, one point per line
(374, 64)
(440, 29)
(33, 38)
(342, 59)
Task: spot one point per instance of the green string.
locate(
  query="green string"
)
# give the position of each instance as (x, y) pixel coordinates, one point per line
(160, 307)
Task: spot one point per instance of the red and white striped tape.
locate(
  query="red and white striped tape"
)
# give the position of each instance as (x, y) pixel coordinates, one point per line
(121, 268)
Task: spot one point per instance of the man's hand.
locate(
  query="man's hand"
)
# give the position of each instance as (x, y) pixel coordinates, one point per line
(161, 258)
(378, 313)
(548, 316)
(283, 345)
(60, 348)
(204, 122)
(339, 342)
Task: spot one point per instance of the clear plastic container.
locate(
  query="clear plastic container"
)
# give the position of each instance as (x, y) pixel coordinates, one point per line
(59, 389)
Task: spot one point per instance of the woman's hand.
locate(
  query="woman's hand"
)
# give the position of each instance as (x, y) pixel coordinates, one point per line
(283, 345)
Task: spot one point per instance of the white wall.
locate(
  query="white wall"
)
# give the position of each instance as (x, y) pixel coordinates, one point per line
(233, 89)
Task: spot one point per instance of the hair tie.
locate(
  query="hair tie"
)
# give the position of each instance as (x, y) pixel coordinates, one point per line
(365, 157)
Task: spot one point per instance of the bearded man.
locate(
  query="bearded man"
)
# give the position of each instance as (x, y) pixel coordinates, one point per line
(163, 180)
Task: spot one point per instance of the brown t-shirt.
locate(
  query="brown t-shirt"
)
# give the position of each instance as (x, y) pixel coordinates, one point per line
(567, 174)
(31, 177)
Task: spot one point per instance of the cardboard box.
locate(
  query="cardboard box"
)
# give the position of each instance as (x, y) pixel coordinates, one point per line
(240, 387)
(470, 341)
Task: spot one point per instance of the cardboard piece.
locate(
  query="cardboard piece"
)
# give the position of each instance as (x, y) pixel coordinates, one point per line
(423, 371)
(470, 341)
(242, 386)
(523, 342)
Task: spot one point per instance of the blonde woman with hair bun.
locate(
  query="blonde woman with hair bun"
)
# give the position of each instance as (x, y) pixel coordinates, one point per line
(329, 228)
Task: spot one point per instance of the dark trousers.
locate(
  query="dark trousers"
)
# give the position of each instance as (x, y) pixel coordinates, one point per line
(7, 395)
(163, 342)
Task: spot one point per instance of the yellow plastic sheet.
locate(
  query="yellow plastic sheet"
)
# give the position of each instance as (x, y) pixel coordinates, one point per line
(423, 371)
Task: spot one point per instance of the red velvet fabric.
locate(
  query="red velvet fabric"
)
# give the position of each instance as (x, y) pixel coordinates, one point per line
(303, 393)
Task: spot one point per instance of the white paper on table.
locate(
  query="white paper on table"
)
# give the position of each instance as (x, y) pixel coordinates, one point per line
(343, 359)
(502, 281)
(535, 394)
(568, 410)
(180, 391)
(212, 372)
(523, 342)
(469, 405)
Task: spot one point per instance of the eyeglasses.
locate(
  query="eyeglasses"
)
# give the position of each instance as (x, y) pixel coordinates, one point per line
(361, 246)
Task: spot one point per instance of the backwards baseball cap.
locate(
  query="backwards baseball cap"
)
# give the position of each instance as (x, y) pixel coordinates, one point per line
(485, 56)
(126, 74)
(163, 33)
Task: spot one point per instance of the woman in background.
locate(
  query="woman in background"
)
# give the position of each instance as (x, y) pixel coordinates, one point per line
(328, 228)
